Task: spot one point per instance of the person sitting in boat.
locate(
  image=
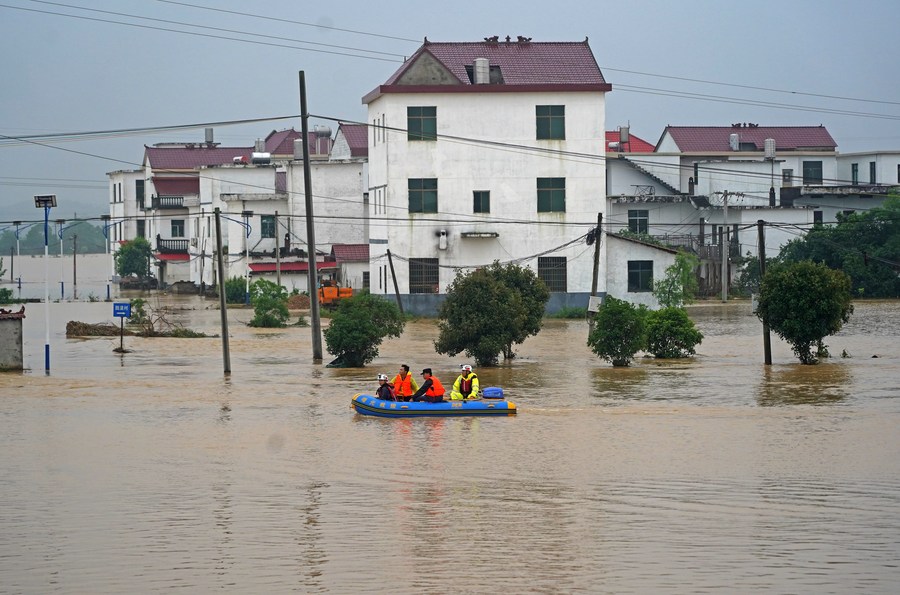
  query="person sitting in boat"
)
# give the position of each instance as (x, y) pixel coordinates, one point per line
(385, 391)
(431, 391)
(466, 385)
(404, 384)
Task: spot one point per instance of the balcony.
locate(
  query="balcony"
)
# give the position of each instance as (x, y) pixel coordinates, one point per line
(168, 202)
(179, 246)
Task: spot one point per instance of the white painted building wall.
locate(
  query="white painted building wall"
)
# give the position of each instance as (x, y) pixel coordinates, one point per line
(464, 166)
(887, 167)
(619, 254)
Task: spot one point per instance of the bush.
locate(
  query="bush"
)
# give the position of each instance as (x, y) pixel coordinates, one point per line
(236, 290)
(359, 325)
(618, 331)
(489, 310)
(671, 333)
(570, 312)
(803, 303)
(269, 302)
(133, 258)
(6, 295)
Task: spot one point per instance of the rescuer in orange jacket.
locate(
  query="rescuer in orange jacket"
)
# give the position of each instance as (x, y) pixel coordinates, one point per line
(431, 391)
(404, 384)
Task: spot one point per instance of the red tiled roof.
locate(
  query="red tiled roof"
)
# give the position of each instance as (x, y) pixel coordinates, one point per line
(350, 252)
(192, 157)
(634, 144)
(521, 63)
(281, 142)
(357, 136)
(691, 139)
(176, 186)
(10, 315)
(172, 257)
(289, 267)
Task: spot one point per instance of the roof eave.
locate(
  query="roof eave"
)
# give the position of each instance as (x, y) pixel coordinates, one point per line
(531, 88)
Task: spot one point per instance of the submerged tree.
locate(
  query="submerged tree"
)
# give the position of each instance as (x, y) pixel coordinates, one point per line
(133, 258)
(679, 286)
(618, 331)
(359, 325)
(671, 333)
(489, 310)
(269, 302)
(803, 303)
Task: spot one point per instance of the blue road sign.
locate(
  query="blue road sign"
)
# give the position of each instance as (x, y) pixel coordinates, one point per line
(122, 310)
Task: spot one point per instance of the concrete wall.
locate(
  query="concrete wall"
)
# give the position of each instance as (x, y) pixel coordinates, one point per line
(10, 342)
(508, 173)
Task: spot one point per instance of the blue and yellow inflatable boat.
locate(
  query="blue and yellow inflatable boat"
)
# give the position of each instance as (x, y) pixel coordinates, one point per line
(492, 404)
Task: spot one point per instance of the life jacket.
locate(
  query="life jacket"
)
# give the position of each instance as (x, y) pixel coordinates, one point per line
(403, 386)
(436, 389)
(465, 384)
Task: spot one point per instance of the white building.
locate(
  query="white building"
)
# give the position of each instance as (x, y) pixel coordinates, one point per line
(487, 151)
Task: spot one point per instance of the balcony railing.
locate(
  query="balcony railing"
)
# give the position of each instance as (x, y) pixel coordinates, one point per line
(168, 202)
(171, 246)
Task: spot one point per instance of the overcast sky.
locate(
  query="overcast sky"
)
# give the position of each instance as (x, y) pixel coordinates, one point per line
(821, 61)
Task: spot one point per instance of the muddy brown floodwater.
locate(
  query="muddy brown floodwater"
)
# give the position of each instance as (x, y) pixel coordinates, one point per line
(152, 471)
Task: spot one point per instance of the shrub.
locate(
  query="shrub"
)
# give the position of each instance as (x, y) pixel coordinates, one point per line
(618, 331)
(269, 302)
(671, 333)
(359, 325)
(236, 290)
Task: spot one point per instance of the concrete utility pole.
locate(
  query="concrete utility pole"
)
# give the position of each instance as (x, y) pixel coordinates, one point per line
(223, 306)
(312, 273)
(725, 249)
(767, 339)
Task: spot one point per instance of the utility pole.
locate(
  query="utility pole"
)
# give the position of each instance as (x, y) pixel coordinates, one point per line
(315, 321)
(596, 266)
(277, 252)
(394, 277)
(75, 266)
(767, 339)
(725, 250)
(223, 307)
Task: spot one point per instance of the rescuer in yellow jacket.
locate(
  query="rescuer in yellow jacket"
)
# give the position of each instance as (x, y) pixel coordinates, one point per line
(466, 385)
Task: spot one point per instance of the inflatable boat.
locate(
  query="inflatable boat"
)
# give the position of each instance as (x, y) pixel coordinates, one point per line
(491, 403)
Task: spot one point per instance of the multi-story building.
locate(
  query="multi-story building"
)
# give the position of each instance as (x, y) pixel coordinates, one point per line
(487, 151)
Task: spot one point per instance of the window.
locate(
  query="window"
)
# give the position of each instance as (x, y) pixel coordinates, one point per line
(177, 228)
(812, 173)
(365, 280)
(551, 195)
(422, 195)
(787, 178)
(482, 201)
(817, 217)
(551, 122)
(898, 173)
(854, 173)
(639, 221)
(267, 226)
(872, 172)
(424, 275)
(141, 228)
(552, 271)
(421, 123)
(139, 193)
(640, 275)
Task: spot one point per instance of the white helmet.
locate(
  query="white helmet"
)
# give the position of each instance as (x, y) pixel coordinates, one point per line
(466, 368)
(382, 377)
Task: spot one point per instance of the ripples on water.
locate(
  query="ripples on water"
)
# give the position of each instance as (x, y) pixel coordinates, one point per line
(151, 471)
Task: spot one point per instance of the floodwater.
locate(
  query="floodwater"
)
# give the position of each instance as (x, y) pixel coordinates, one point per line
(152, 470)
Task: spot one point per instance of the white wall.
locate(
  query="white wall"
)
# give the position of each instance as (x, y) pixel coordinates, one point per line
(509, 173)
(620, 252)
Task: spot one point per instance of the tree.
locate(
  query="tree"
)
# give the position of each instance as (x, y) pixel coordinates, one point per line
(865, 245)
(133, 258)
(671, 333)
(359, 325)
(235, 290)
(269, 302)
(679, 287)
(803, 303)
(489, 310)
(618, 331)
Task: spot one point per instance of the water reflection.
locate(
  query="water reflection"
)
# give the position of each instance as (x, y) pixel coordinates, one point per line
(620, 384)
(823, 384)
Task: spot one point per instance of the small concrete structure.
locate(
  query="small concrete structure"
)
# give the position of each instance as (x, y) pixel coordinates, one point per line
(11, 339)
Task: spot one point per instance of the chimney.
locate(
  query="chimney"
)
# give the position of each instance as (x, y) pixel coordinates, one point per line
(482, 70)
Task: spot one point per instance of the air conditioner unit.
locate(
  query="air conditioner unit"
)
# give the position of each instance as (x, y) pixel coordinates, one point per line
(194, 242)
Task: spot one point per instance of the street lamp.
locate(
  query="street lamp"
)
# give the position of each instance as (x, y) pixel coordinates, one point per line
(46, 202)
(246, 215)
(106, 224)
(59, 232)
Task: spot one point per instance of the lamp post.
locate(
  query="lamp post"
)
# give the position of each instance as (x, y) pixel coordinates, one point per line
(246, 215)
(17, 224)
(46, 202)
(106, 224)
(59, 233)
